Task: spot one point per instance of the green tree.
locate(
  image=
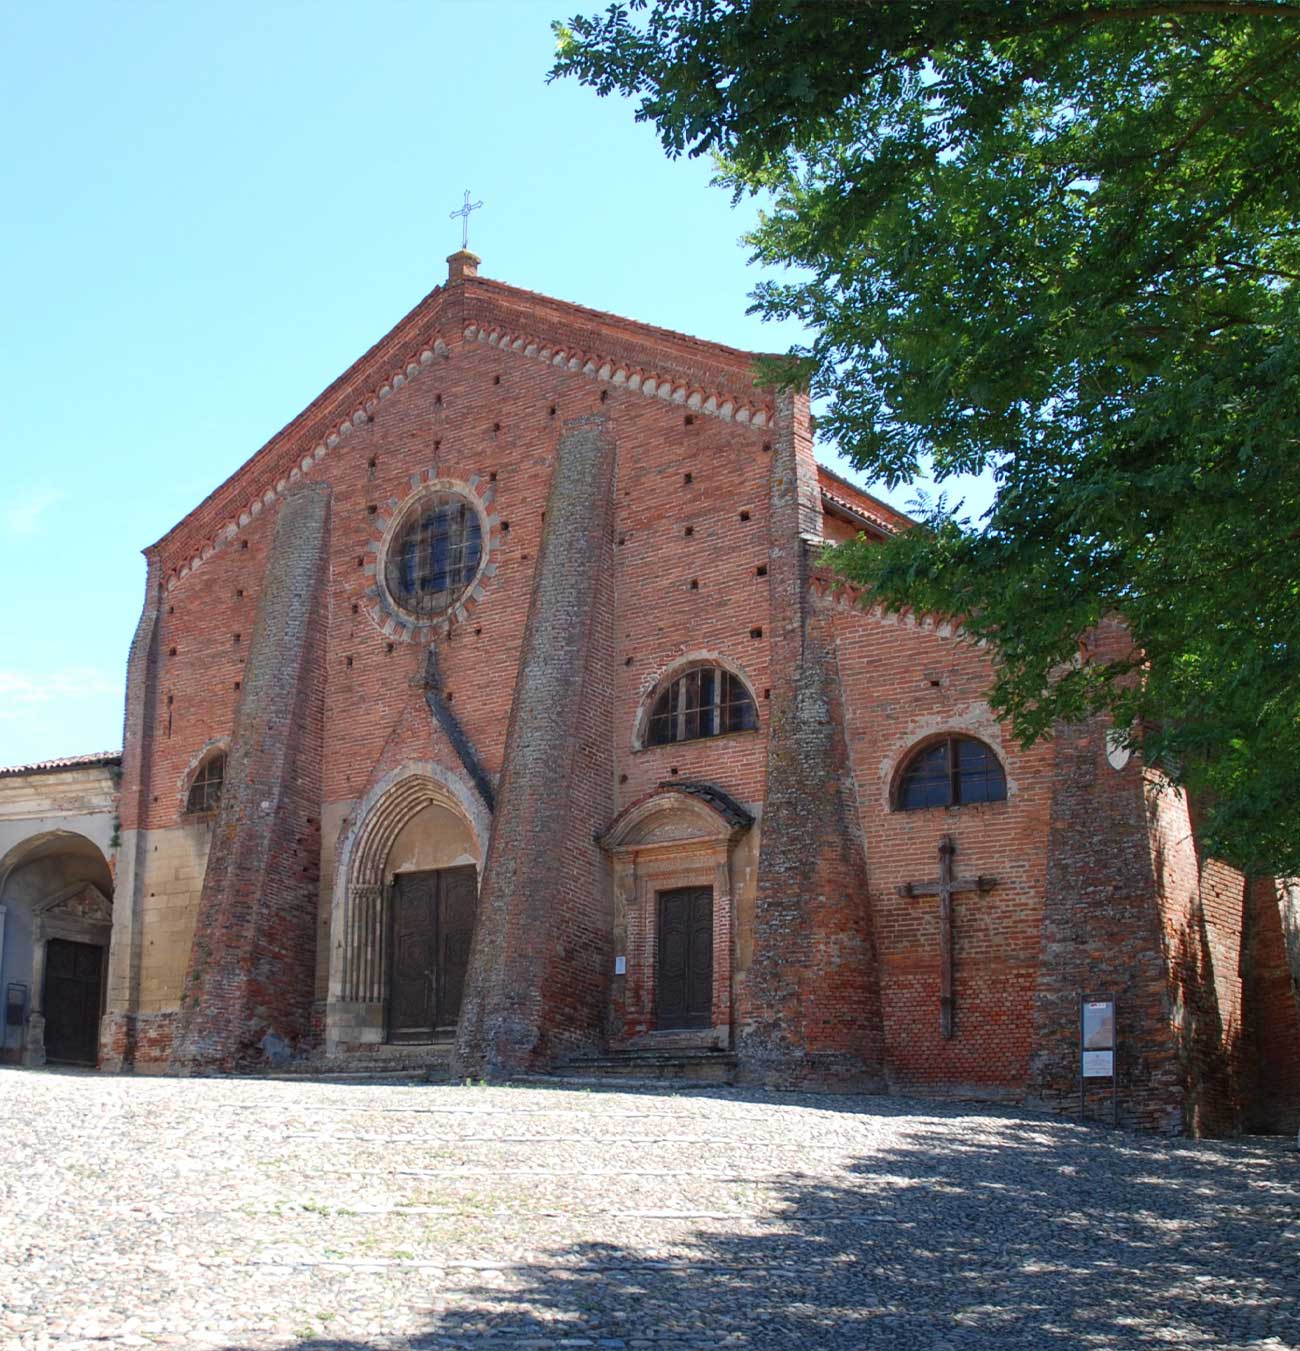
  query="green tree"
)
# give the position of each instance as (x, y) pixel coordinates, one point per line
(1058, 240)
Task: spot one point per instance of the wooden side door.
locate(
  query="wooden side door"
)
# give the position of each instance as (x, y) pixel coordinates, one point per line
(413, 936)
(684, 991)
(73, 991)
(458, 905)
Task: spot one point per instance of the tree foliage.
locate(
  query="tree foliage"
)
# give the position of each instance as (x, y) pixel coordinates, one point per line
(1058, 240)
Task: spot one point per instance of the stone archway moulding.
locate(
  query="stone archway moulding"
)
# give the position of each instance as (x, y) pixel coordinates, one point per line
(56, 916)
(358, 953)
(22, 852)
(702, 813)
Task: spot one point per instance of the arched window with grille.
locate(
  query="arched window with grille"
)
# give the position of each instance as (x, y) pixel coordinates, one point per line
(702, 701)
(206, 785)
(953, 772)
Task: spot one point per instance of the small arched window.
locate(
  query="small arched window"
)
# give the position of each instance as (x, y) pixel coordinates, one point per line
(704, 701)
(953, 772)
(205, 789)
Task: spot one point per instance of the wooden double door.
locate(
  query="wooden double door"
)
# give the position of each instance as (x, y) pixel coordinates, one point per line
(684, 985)
(431, 927)
(73, 998)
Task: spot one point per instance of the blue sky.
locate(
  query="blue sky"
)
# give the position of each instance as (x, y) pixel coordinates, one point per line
(212, 209)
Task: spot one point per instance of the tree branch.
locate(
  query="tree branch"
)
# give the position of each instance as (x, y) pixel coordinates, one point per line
(1256, 8)
(1259, 271)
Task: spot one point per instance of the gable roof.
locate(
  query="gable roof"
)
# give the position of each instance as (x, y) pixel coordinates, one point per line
(842, 497)
(100, 759)
(657, 362)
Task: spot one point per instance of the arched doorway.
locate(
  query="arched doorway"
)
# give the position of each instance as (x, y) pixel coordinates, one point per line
(402, 920)
(56, 917)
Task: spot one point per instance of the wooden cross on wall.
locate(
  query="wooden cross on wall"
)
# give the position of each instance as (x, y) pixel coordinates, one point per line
(945, 888)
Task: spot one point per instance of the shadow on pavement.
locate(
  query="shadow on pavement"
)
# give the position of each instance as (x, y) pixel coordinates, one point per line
(1051, 1236)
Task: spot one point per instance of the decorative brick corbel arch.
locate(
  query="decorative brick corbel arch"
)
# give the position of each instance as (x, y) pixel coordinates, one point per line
(680, 835)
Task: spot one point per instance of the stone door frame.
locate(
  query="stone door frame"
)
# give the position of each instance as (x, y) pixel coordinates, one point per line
(49, 921)
(681, 835)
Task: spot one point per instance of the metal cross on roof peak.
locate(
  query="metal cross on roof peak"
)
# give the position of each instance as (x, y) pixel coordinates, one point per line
(463, 213)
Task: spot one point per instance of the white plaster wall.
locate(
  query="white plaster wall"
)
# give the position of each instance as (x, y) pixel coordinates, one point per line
(56, 828)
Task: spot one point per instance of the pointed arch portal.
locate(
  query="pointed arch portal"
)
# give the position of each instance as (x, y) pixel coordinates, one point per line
(408, 867)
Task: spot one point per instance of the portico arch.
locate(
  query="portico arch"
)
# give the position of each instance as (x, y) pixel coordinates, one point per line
(56, 892)
(420, 816)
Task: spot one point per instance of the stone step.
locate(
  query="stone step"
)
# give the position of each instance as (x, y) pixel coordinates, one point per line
(427, 1061)
(691, 1066)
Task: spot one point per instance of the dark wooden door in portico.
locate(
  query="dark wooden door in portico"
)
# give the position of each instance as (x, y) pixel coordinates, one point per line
(431, 927)
(72, 997)
(684, 993)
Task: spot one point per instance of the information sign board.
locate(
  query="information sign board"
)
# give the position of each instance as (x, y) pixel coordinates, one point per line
(1098, 1024)
(1097, 1043)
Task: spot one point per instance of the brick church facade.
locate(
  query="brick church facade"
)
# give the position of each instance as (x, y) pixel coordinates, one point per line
(500, 709)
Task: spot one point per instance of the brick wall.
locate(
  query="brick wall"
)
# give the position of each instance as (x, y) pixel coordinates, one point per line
(908, 679)
(1101, 935)
(1201, 910)
(688, 553)
(122, 997)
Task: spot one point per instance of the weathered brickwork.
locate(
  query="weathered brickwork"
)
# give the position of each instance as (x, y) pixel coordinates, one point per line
(247, 991)
(1271, 975)
(908, 679)
(118, 1031)
(1101, 934)
(644, 506)
(1201, 906)
(541, 957)
(810, 1005)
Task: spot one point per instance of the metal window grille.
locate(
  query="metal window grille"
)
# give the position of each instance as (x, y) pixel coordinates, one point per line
(435, 556)
(951, 773)
(702, 702)
(205, 790)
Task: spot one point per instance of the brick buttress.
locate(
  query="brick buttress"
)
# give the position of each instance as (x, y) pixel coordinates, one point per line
(542, 952)
(810, 1009)
(120, 1029)
(1271, 965)
(1101, 935)
(248, 987)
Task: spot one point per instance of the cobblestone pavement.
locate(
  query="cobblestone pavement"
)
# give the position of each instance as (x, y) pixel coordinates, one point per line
(257, 1213)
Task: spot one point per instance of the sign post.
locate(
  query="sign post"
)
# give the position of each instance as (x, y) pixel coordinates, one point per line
(1097, 1048)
